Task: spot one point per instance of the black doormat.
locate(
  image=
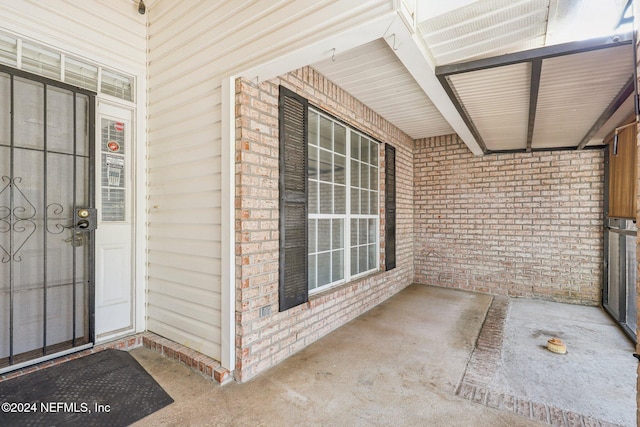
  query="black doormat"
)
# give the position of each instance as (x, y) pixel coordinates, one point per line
(109, 388)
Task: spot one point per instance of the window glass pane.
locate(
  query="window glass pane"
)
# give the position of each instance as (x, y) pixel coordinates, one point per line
(364, 150)
(372, 230)
(355, 145)
(362, 232)
(113, 131)
(355, 201)
(117, 85)
(374, 147)
(364, 176)
(113, 166)
(337, 234)
(340, 138)
(364, 202)
(354, 260)
(354, 232)
(40, 61)
(8, 50)
(355, 173)
(326, 198)
(373, 203)
(312, 223)
(340, 199)
(312, 272)
(373, 176)
(337, 265)
(313, 197)
(363, 258)
(324, 235)
(313, 128)
(324, 268)
(326, 133)
(326, 166)
(372, 257)
(313, 163)
(339, 169)
(81, 74)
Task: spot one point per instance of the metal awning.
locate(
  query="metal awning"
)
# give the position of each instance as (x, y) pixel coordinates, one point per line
(554, 97)
(505, 75)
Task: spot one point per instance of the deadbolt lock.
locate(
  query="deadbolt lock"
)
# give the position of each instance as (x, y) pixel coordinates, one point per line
(86, 219)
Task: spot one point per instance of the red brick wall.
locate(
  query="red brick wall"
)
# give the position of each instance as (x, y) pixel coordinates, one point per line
(261, 342)
(526, 224)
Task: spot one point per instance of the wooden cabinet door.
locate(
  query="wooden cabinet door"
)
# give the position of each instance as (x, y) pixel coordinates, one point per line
(622, 175)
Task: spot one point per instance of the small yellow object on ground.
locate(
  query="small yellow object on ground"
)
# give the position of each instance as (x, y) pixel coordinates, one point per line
(556, 345)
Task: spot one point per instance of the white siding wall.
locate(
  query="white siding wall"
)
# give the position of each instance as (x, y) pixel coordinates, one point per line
(111, 33)
(193, 46)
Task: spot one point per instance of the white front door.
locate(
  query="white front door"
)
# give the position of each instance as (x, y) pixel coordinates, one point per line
(114, 236)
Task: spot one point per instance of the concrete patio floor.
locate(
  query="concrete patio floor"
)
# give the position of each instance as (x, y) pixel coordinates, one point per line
(399, 364)
(597, 375)
(428, 356)
(593, 384)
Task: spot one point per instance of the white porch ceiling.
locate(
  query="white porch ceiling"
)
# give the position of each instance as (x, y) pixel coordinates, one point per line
(539, 100)
(374, 74)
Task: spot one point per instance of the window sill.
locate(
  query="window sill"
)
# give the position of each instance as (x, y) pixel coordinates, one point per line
(326, 294)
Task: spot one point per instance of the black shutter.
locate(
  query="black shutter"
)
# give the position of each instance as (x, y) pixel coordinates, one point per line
(293, 112)
(390, 207)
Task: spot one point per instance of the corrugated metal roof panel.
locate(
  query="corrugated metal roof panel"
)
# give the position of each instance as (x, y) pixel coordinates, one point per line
(486, 28)
(521, 38)
(575, 90)
(373, 74)
(497, 101)
(479, 11)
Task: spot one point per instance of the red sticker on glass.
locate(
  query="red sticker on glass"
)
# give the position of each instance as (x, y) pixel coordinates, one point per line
(113, 146)
(118, 126)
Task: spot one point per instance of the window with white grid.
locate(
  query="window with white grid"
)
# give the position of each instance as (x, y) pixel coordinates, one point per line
(343, 202)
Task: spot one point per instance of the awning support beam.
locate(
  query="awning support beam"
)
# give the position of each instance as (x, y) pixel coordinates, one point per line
(536, 70)
(535, 57)
(539, 53)
(622, 96)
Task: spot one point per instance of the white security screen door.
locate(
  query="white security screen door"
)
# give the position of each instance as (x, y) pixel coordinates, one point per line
(114, 237)
(46, 219)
